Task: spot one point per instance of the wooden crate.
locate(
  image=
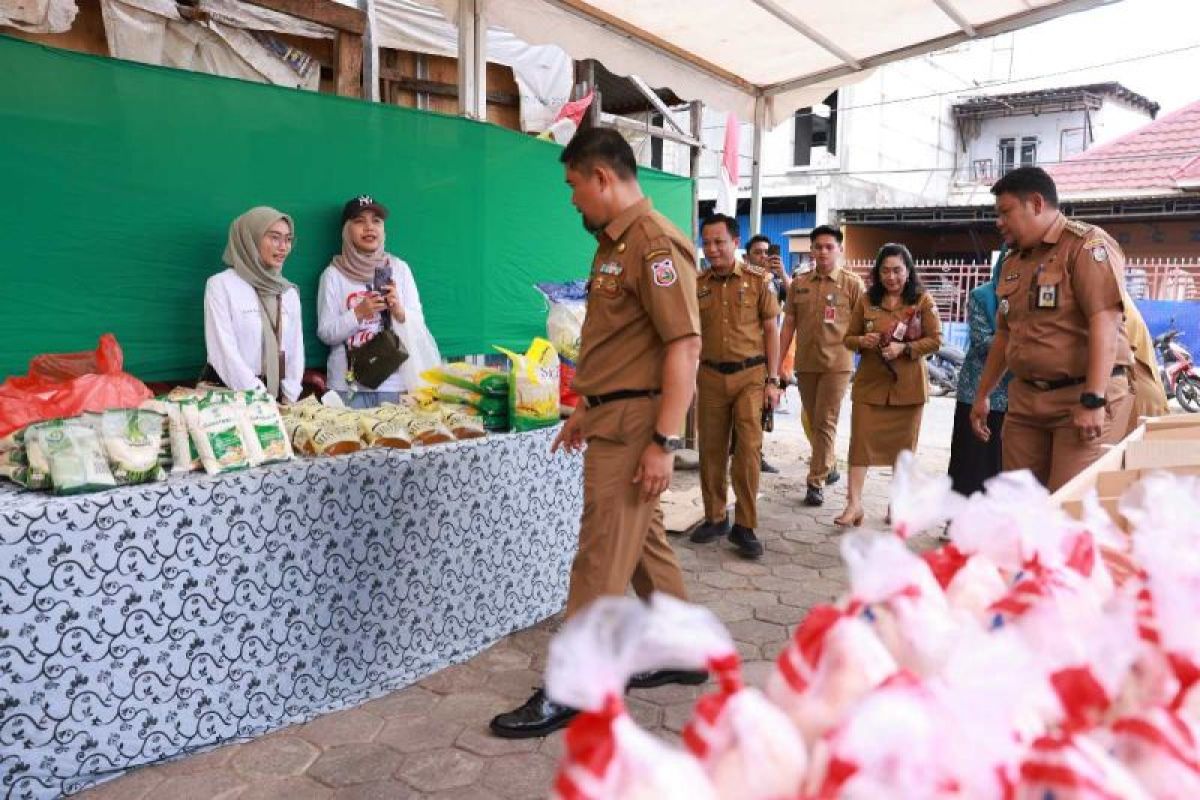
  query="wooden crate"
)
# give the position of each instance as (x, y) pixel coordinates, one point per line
(1162, 444)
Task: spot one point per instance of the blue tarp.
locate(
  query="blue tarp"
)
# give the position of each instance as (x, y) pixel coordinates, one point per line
(1184, 315)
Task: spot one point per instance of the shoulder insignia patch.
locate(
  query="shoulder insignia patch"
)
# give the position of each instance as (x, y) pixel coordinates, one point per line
(1099, 253)
(664, 272)
(1078, 228)
(752, 269)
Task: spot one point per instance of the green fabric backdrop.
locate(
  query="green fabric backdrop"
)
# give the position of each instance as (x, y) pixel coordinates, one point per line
(120, 181)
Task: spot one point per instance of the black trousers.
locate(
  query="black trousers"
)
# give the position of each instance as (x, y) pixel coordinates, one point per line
(971, 461)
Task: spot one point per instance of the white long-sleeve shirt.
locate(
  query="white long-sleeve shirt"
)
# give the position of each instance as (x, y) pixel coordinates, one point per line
(233, 335)
(338, 326)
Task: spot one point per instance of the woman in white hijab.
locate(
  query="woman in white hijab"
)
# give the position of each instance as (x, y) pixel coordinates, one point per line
(252, 325)
(357, 289)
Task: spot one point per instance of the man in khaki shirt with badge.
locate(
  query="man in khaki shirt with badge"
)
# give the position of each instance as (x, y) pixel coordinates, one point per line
(817, 315)
(1060, 331)
(635, 376)
(740, 348)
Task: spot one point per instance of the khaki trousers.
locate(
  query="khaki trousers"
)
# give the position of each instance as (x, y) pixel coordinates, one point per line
(728, 404)
(1040, 436)
(821, 394)
(621, 538)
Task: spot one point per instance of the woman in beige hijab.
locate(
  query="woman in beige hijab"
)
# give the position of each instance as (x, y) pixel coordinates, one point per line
(363, 289)
(252, 324)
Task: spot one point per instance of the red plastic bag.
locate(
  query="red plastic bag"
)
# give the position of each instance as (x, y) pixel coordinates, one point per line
(67, 384)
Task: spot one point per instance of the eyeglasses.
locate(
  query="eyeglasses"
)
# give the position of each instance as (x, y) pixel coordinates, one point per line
(279, 238)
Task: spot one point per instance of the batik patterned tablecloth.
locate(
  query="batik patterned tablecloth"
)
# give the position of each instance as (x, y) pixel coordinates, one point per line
(144, 622)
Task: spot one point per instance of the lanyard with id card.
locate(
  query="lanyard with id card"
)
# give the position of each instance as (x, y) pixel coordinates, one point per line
(1047, 296)
(830, 315)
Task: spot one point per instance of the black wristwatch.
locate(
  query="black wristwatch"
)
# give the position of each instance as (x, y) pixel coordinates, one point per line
(774, 382)
(668, 443)
(1092, 401)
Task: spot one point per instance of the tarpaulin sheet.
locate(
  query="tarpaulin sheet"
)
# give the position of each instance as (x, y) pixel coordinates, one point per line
(121, 180)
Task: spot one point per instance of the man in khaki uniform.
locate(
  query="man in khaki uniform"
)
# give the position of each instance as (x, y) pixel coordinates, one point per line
(635, 375)
(740, 348)
(817, 314)
(1149, 396)
(1060, 331)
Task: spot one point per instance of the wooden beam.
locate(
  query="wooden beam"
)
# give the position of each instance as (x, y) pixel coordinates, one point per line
(348, 65)
(407, 83)
(323, 12)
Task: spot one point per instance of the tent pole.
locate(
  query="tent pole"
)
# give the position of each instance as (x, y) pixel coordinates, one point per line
(472, 59)
(760, 118)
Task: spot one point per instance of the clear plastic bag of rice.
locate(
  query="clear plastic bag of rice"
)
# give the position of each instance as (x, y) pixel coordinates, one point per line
(132, 441)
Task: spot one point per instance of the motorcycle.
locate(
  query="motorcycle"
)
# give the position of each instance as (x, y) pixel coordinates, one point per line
(943, 368)
(1177, 369)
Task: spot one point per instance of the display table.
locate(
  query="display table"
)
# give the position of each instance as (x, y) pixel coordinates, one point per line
(144, 622)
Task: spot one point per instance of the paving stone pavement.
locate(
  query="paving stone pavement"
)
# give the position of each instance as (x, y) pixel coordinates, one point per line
(430, 740)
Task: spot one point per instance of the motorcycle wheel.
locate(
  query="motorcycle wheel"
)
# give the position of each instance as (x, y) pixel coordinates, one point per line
(1187, 392)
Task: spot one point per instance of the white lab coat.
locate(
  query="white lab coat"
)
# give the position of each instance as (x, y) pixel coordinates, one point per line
(233, 335)
(337, 326)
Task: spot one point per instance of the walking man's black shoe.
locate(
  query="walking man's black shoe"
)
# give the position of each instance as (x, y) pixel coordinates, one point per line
(768, 469)
(540, 716)
(709, 531)
(814, 497)
(661, 677)
(833, 477)
(747, 544)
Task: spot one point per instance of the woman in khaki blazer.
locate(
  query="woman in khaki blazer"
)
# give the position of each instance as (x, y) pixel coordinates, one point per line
(893, 326)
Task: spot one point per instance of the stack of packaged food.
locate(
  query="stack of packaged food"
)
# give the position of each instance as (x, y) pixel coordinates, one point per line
(219, 431)
(1011, 664)
(476, 390)
(319, 430)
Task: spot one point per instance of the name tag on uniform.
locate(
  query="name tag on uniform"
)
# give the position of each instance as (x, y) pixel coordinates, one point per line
(705, 292)
(830, 316)
(1047, 296)
(1004, 306)
(611, 269)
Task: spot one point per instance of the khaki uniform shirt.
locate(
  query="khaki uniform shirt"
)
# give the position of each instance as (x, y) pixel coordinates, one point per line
(820, 307)
(732, 312)
(1047, 294)
(641, 295)
(873, 383)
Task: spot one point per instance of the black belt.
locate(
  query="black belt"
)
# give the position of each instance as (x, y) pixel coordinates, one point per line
(1062, 383)
(594, 400)
(730, 367)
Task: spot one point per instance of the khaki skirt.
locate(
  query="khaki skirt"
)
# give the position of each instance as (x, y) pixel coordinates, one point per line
(878, 434)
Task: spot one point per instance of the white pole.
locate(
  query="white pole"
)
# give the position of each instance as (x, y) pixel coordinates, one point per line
(760, 119)
(370, 53)
(472, 59)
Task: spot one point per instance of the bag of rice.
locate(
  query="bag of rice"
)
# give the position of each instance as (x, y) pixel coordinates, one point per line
(182, 449)
(37, 476)
(263, 430)
(75, 456)
(132, 440)
(533, 387)
(213, 423)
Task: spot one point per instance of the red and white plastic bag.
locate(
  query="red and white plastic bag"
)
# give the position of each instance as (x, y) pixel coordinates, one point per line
(608, 757)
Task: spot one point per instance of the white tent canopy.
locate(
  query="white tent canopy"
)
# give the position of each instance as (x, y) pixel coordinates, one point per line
(734, 54)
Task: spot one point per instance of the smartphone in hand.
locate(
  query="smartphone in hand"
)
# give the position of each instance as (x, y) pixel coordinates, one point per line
(383, 276)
